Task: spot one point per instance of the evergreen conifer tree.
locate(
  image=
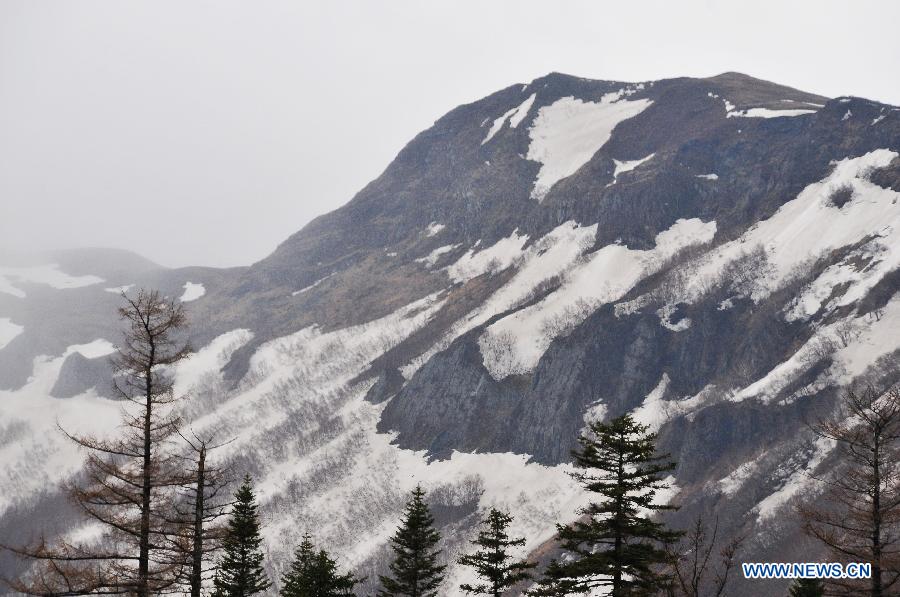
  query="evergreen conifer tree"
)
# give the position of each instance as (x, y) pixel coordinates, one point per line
(493, 562)
(415, 572)
(315, 575)
(807, 587)
(240, 571)
(616, 544)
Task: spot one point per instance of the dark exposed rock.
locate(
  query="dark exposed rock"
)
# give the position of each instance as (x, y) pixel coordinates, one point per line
(79, 374)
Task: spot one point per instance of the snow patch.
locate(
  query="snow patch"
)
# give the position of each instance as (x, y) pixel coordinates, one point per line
(210, 359)
(119, 289)
(432, 258)
(666, 312)
(628, 166)
(767, 113)
(514, 115)
(434, 228)
(655, 411)
(734, 481)
(8, 331)
(192, 291)
(568, 132)
(492, 259)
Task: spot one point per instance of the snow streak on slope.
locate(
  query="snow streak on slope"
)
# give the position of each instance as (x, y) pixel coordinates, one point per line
(655, 411)
(515, 117)
(767, 113)
(628, 166)
(514, 344)
(432, 258)
(568, 132)
(8, 331)
(48, 275)
(548, 257)
(492, 259)
(798, 482)
(313, 285)
(732, 112)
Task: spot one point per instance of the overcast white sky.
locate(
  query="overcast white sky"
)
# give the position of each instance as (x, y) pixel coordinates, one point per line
(204, 133)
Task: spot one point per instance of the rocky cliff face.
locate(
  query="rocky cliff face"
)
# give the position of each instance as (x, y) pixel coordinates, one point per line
(717, 256)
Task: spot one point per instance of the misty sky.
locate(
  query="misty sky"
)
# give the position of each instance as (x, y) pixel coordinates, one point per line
(204, 133)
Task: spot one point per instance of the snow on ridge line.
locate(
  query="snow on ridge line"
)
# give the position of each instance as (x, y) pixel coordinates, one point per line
(514, 115)
(731, 110)
(515, 344)
(8, 331)
(192, 291)
(47, 274)
(566, 134)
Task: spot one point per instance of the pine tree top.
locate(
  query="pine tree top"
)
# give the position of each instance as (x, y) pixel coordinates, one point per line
(414, 571)
(240, 572)
(493, 563)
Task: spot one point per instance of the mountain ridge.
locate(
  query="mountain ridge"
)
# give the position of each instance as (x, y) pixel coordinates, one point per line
(693, 259)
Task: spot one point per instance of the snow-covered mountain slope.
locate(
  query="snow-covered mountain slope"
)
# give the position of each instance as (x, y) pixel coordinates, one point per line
(718, 256)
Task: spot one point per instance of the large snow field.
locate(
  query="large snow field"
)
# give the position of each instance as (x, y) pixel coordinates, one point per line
(308, 437)
(34, 455)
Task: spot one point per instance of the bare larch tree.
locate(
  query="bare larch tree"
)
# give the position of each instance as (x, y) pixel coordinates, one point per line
(690, 560)
(129, 482)
(197, 514)
(859, 518)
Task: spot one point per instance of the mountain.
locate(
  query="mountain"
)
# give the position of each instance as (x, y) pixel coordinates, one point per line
(717, 256)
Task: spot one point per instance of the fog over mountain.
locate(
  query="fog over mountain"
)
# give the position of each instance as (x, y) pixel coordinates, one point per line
(244, 122)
